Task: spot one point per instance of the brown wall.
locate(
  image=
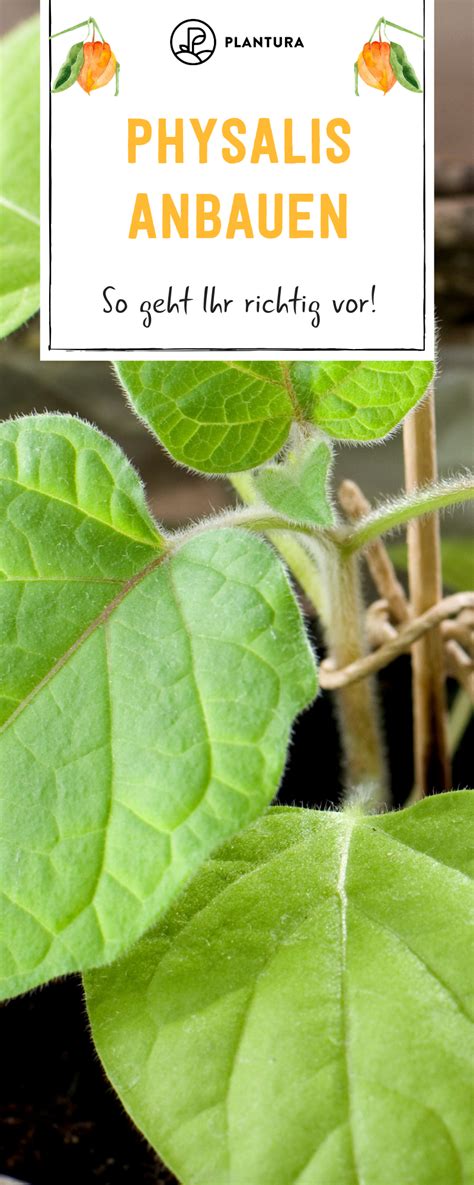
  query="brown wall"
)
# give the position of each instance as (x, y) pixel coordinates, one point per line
(454, 79)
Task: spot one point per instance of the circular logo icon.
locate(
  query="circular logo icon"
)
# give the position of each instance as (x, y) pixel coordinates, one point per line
(193, 42)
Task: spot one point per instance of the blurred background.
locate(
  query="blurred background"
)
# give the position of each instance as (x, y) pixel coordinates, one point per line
(60, 1120)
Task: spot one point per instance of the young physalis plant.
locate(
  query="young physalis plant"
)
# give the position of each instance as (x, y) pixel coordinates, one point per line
(278, 995)
(149, 682)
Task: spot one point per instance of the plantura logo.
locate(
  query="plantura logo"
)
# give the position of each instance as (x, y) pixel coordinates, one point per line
(193, 42)
(264, 42)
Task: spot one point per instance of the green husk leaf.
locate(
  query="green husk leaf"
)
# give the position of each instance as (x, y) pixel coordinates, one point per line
(70, 69)
(19, 176)
(147, 698)
(221, 417)
(403, 69)
(303, 1013)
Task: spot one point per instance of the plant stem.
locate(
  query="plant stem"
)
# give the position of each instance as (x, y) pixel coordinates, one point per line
(300, 563)
(403, 30)
(432, 766)
(402, 510)
(402, 641)
(338, 602)
(356, 704)
(383, 21)
(90, 21)
(98, 30)
(71, 28)
(357, 507)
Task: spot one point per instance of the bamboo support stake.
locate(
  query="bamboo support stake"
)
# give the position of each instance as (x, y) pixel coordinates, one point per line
(432, 765)
(333, 677)
(356, 506)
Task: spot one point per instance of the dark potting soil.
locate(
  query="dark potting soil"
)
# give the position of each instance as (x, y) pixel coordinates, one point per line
(60, 1121)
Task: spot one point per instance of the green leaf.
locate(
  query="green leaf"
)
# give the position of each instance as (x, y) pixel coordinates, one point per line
(298, 486)
(74, 528)
(19, 176)
(403, 69)
(148, 697)
(214, 416)
(221, 417)
(362, 400)
(71, 68)
(302, 1015)
(457, 559)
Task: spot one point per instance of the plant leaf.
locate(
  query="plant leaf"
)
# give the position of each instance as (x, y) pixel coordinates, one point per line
(301, 1016)
(221, 417)
(213, 416)
(19, 176)
(403, 69)
(298, 487)
(70, 69)
(363, 400)
(74, 528)
(149, 699)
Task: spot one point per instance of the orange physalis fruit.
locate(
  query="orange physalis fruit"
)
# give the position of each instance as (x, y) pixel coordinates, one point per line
(99, 66)
(374, 65)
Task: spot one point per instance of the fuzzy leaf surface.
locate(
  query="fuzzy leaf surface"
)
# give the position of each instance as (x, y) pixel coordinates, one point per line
(298, 487)
(302, 1016)
(222, 417)
(147, 699)
(19, 176)
(363, 401)
(214, 416)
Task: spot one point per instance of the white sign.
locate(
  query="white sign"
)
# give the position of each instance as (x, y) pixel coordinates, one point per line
(237, 198)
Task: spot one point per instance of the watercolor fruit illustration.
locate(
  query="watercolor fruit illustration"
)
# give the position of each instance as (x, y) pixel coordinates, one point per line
(99, 66)
(374, 66)
(383, 63)
(90, 63)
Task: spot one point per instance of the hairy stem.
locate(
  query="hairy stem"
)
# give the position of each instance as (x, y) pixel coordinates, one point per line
(356, 704)
(332, 583)
(357, 507)
(417, 502)
(402, 641)
(299, 561)
(432, 765)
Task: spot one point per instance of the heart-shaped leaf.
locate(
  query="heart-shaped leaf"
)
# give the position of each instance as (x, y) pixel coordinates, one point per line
(298, 487)
(214, 416)
(362, 400)
(220, 417)
(403, 69)
(302, 1015)
(147, 699)
(71, 68)
(19, 176)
